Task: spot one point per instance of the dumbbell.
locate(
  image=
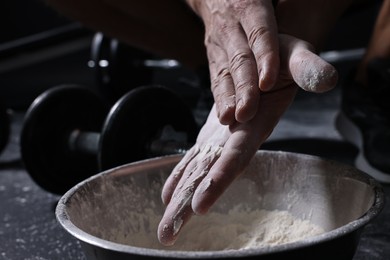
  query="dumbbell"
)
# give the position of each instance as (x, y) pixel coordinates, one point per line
(69, 133)
(120, 67)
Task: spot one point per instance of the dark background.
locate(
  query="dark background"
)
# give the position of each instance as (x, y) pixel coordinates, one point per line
(40, 49)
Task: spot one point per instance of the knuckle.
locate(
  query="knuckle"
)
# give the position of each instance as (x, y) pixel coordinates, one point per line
(218, 97)
(245, 86)
(239, 59)
(256, 34)
(207, 40)
(214, 87)
(225, 30)
(240, 6)
(222, 74)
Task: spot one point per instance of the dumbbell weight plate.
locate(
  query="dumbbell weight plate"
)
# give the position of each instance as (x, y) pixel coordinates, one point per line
(45, 136)
(118, 67)
(138, 119)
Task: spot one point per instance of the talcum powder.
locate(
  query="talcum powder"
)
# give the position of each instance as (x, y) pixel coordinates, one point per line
(239, 229)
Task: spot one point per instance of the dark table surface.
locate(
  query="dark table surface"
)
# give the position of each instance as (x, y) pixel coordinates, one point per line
(29, 229)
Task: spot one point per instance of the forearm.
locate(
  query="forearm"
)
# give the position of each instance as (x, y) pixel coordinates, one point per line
(169, 31)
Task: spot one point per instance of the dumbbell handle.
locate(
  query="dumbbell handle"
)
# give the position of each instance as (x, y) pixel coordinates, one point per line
(88, 143)
(159, 64)
(85, 142)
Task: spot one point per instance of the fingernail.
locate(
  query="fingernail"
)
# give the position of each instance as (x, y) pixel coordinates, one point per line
(263, 84)
(165, 235)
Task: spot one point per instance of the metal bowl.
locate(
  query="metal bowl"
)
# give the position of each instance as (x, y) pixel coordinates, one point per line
(103, 211)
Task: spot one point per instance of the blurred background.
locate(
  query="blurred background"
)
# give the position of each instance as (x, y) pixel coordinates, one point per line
(40, 49)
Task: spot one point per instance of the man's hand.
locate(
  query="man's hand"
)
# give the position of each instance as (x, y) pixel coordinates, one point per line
(243, 52)
(222, 152)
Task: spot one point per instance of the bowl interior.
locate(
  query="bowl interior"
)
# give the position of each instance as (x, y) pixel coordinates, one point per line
(123, 205)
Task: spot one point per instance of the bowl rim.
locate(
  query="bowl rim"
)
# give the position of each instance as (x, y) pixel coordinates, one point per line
(64, 219)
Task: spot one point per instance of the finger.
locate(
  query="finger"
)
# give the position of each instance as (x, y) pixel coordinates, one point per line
(243, 69)
(213, 133)
(196, 170)
(222, 85)
(240, 148)
(172, 222)
(174, 178)
(262, 34)
(308, 70)
(230, 164)
(215, 184)
(179, 211)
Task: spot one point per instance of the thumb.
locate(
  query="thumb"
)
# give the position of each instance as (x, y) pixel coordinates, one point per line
(308, 70)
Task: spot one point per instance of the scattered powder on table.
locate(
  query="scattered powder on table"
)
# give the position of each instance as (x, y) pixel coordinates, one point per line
(239, 229)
